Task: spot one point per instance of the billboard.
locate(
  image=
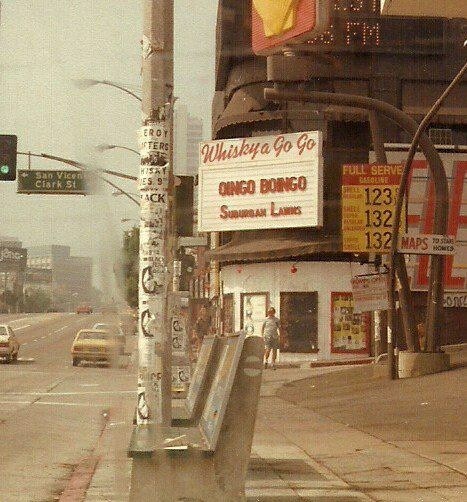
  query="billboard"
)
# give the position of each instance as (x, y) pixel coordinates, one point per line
(276, 23)
(261, 182)
(421, 205)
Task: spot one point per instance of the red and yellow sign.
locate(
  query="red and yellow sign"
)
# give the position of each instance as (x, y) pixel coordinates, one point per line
(369, 193)
(276, 23)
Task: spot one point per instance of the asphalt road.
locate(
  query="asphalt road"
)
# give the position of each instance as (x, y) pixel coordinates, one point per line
(51, 413)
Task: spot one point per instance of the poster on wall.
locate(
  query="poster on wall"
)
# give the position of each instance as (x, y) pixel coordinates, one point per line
(350, 331)
(253, 312)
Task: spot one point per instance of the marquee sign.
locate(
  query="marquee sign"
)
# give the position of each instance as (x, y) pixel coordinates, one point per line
(261, 182)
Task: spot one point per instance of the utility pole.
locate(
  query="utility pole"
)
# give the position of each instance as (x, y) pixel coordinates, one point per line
(154, 341)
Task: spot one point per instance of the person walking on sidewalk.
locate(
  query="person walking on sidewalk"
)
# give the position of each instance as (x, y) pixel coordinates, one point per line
(271, 333)
(202, 327)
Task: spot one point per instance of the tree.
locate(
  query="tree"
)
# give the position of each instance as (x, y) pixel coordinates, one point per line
(37, 300)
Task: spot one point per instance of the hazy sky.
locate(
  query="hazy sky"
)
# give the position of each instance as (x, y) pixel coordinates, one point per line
(44, 45)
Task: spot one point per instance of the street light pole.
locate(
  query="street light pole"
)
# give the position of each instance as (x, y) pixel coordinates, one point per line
(154, 342)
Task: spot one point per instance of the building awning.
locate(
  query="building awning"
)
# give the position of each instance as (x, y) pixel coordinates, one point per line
(274, 245)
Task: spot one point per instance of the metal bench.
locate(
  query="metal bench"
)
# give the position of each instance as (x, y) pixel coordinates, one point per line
(208, 461)
(188, 411)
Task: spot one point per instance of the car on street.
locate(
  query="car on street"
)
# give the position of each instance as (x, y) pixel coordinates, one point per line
(9, 345)
(114, 329)
(95, 345)
(127, 322)
(84, 309)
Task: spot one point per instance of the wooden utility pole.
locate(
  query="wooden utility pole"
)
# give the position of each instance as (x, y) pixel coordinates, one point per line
(154, 341)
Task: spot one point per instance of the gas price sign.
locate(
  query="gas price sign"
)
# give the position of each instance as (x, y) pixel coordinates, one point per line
(369, 193)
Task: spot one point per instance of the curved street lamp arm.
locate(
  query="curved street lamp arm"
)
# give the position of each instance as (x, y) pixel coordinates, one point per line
(124, 89)
(126, 194)
(126, 148)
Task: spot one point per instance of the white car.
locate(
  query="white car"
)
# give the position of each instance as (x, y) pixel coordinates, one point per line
(113, 329)
(9, 345)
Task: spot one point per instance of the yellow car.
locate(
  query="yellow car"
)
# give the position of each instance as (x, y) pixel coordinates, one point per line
(95, 345)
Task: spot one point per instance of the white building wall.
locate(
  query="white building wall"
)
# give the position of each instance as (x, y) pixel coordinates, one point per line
(274, 277)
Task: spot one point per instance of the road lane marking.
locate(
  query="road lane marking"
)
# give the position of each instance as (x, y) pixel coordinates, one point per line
(22, 327)
(100, 392)
(58, 403)
(52, 403)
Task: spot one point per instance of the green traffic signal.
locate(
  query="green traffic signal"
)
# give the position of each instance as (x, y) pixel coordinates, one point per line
(8, 152)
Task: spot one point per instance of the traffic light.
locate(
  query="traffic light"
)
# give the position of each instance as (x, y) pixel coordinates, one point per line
(8, 149)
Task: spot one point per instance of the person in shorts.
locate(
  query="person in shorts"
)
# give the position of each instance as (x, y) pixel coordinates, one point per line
(271, 334)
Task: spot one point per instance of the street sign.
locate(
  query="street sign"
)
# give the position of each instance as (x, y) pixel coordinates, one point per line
(369, 194)
(277, 23)
(52, 182)
(370, 292)
(413, 243)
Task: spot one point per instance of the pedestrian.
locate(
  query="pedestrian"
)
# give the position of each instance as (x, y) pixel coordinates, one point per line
(202, 326)
(271, 333)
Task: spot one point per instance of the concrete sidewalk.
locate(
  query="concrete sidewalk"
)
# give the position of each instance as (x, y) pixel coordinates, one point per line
(329, 459)
(316, 439)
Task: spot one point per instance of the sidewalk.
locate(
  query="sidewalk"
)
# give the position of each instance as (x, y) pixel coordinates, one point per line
(337, 434)
(345, 463)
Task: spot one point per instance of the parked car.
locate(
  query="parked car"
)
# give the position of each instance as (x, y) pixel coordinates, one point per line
(9, 345)
(96, 346)
(113, 329)
(127, 323)
(84, 309)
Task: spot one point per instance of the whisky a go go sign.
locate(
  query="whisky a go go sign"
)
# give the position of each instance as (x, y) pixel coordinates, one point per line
(369, 193)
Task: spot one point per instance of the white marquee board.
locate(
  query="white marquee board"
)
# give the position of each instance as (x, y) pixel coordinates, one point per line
(261, 182)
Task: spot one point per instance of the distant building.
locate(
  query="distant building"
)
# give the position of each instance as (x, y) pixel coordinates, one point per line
(12, 265)
(188, 132)
(67, 279)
